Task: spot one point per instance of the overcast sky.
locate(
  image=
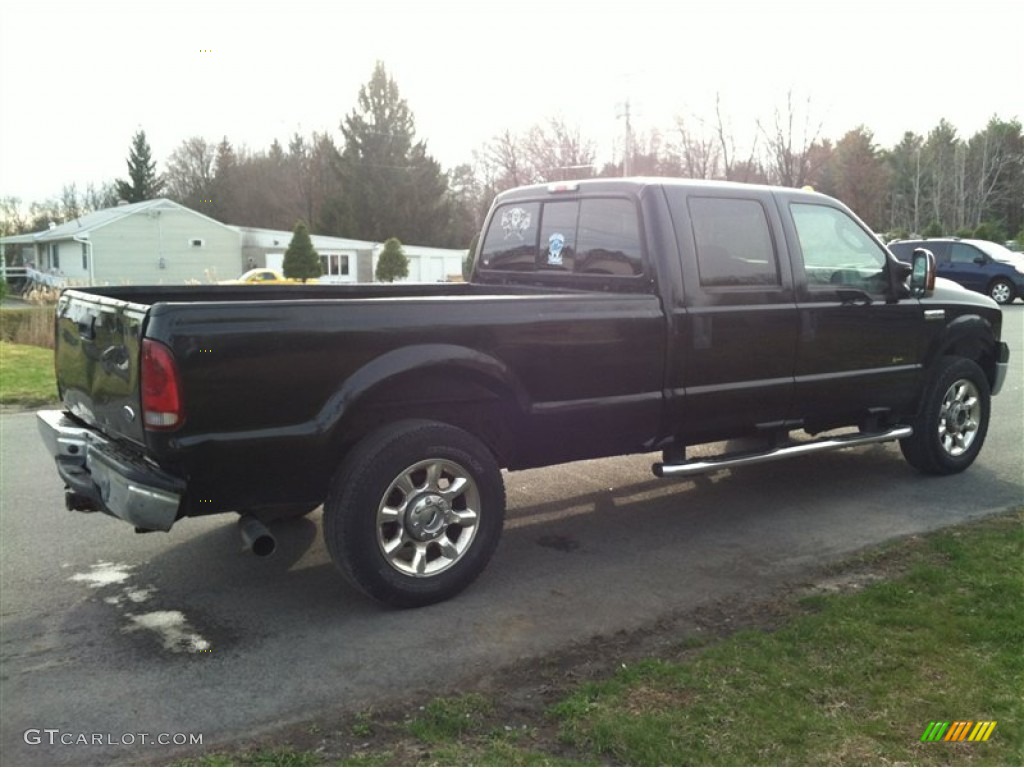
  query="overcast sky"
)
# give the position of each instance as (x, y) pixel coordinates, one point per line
(78, 79)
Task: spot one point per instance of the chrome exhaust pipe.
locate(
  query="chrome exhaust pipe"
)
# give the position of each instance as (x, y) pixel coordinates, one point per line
(256, 536)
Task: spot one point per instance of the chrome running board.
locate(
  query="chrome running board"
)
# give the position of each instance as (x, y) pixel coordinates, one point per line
(727, 461)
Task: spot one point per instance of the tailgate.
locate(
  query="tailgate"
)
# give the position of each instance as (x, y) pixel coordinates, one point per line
(98, 344)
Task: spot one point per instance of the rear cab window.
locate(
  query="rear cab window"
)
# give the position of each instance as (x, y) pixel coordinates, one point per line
(596, 237)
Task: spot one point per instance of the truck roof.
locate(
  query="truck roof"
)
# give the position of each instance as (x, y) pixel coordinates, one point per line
(635, 184)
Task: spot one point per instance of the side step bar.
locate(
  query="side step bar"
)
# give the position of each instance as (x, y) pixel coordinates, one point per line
(699, 466)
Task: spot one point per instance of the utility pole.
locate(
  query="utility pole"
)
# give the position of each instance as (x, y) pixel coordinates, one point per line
(628, 151)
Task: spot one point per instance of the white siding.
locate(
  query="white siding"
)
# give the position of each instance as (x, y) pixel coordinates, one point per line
(169, 246)
(430, 265)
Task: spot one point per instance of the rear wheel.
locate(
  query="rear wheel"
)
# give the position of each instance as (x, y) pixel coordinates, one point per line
(1001, 291)
(415, 513)
(952, 420)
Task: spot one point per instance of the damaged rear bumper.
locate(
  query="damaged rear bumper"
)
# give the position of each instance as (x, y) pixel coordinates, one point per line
(101, 476)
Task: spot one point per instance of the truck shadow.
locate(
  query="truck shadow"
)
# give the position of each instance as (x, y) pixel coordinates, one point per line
(647, 537)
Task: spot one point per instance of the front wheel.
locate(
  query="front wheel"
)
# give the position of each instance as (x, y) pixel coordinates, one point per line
(415, 513)
(1001, 291)
(952, 420)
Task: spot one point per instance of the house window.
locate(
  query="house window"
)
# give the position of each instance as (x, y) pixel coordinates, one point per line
(85, 257)
(333, 264)
(55, 255)
(196, 242)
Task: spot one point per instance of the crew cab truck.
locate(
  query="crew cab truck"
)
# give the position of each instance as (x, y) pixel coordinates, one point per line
(603, 317)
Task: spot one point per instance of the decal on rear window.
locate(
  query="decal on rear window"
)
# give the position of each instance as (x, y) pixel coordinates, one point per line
(555, 245)
(515, 222)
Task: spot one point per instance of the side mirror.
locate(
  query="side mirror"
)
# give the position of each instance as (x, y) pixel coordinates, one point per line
(922, 273)
(980, 261)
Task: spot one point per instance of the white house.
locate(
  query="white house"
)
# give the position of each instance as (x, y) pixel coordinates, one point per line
(350, 261)
(152, 242)
(341, 260)
(428, 265)
(160, 241)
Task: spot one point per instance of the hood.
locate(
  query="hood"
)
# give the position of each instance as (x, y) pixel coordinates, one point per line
(946, 291)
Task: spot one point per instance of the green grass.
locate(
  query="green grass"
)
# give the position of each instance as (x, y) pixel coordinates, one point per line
(856, 682)
(264, 756)
(26, 375)
(850, 679)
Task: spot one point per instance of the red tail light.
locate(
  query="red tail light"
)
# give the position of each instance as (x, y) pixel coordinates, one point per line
(161, 387)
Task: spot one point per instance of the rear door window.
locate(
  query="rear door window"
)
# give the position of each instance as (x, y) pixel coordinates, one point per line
(961, 253)
(733, 242)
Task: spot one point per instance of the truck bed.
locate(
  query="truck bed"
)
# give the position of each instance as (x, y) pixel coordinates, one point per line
(271, 375)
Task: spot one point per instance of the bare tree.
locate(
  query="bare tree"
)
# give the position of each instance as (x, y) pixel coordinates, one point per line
(992, 155)
(696, 150)
(557, 151)
(12, 217)
(503, 162)
(70, 206)
(97, 198)
(189, 173)
(788, 151)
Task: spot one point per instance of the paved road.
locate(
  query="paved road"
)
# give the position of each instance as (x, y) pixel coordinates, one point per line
(109, 633)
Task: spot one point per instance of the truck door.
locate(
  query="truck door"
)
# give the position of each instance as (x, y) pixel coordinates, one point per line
(858, 348)
(734, 333)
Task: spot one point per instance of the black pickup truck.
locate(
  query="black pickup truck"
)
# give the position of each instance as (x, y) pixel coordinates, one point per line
(604, 317)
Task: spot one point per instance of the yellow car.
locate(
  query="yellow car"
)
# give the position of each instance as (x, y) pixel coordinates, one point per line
(266, 277)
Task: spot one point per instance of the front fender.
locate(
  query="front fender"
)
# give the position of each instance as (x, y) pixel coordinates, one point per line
(971, 336)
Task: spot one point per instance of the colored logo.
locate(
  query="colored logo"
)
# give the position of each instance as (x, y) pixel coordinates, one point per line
(555, 245)
(959, 730)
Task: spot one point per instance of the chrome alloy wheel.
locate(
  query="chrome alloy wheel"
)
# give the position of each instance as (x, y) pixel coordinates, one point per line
(428, 517)
(960, 417)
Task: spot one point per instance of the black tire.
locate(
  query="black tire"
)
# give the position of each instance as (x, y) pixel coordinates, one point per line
(415, 513)
(952, 421)
(1001, 291)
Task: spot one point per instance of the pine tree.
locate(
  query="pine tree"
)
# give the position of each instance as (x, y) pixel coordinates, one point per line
(301, 262)
(143, 182)
(392, 263)
(390, 184)
(224, 190)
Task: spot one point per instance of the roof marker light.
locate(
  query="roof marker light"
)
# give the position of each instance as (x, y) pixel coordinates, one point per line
(564, 186)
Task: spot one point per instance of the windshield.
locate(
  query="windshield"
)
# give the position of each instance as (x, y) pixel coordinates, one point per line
(1000, 252)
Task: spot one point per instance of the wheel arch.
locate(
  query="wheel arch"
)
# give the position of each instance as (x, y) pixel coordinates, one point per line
(971, 337)
(445, 383)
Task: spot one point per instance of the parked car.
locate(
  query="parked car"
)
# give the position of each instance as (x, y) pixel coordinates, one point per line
(602, 317)
(979, 265)
(264, 277)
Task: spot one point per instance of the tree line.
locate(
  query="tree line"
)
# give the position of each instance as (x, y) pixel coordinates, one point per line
(380, 181)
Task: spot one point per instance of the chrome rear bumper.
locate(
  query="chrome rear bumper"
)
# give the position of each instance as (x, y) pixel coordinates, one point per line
(100, 476)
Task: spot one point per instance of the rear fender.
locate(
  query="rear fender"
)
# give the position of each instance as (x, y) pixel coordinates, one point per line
(444, 382)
